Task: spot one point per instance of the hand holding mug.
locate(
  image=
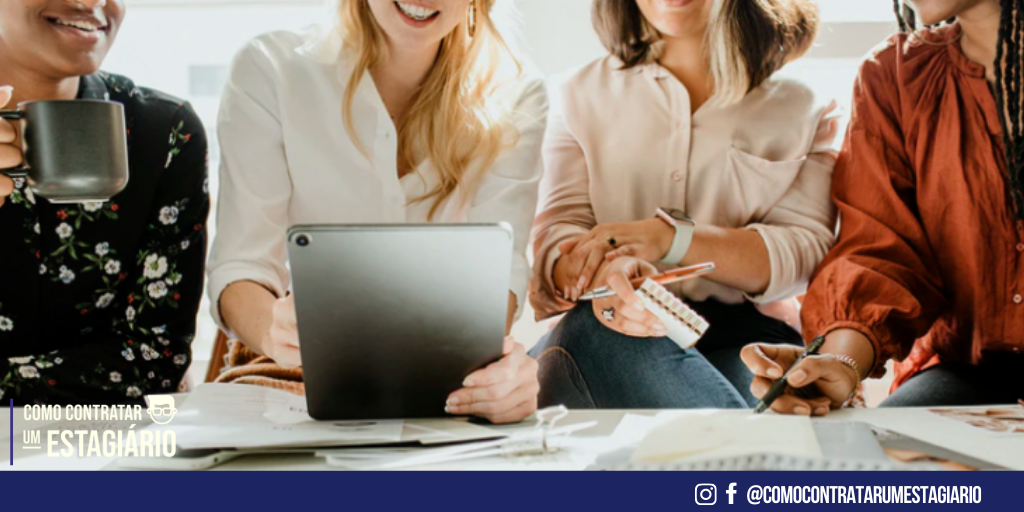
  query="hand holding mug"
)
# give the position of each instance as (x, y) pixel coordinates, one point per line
(625, 312)
(281, 342)
(10, 154)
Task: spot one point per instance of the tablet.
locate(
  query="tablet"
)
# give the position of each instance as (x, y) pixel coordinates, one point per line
(392, 318)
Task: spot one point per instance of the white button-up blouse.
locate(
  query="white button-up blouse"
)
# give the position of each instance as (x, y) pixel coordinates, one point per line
(287, 159)
(624, 143)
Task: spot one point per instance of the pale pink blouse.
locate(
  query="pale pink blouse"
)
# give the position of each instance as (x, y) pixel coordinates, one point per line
(623, 142)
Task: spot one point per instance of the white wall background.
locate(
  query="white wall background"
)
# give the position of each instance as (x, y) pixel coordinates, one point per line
(165, 44)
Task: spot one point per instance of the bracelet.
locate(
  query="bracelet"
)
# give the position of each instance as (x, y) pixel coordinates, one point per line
(850, 363)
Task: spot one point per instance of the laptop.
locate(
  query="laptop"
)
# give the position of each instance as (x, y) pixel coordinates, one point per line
(392, 318)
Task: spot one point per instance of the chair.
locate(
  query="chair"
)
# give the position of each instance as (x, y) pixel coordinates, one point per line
(220, 349)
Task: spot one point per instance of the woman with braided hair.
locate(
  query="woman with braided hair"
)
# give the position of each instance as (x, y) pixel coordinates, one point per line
(929, 266)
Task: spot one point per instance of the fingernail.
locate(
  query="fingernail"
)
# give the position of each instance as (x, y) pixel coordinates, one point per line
(821, 411)
(774, 372)
(565, 292)
(582, 283)
(468, 383)
(7, 88)
(797, 378)
(801, 410)
(453, 400)
(447, 410)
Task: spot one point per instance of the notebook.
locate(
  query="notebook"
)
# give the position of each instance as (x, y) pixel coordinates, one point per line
(685, 327)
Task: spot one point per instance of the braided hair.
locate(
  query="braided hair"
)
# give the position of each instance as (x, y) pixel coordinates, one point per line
(1009, 96)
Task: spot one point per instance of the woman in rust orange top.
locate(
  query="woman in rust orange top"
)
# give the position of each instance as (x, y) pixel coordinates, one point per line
(929, 266)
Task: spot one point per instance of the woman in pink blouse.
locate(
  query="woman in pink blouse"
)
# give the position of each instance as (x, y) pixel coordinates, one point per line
(683, 118)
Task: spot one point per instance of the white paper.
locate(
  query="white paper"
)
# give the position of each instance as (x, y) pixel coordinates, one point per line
(252, 417)
(701, 435)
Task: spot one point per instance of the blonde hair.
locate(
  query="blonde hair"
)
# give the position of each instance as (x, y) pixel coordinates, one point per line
(747, 41)
(451, 122)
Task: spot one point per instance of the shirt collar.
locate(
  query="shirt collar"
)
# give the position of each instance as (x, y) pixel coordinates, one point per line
(92, 87)
(322, 45)
(951, 38)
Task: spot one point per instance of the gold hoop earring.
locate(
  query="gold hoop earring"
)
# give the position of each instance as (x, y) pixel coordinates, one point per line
(471, 20)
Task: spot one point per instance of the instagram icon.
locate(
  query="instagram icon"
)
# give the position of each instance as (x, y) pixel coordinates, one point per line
(706, 494)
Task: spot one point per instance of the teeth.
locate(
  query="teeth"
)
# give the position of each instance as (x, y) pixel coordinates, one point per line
(81, 25)
(416, 12)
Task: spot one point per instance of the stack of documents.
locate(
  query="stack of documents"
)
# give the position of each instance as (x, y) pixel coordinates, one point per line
(239, 417)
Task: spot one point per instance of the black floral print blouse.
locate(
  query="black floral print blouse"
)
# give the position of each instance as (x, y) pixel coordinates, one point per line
(98, 301)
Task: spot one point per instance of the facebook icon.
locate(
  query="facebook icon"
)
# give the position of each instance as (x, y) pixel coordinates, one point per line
(731, 491)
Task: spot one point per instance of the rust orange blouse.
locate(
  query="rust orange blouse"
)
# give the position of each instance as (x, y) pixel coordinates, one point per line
(929, 263)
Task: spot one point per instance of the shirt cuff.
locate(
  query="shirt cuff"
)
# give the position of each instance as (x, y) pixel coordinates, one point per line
(783, 281)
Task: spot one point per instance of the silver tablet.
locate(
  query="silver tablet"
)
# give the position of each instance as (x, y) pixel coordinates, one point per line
(392, 318)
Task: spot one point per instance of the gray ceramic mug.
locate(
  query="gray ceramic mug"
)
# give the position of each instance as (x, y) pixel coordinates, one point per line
(74, 150)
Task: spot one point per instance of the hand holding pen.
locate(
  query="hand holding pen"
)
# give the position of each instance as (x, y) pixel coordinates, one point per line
(796, 380)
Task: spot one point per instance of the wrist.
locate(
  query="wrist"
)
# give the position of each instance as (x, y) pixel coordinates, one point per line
(854, 345)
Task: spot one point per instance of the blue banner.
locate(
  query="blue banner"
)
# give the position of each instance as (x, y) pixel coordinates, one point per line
(581, 491)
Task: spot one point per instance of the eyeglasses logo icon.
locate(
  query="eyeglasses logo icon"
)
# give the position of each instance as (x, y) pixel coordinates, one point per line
(161, 409)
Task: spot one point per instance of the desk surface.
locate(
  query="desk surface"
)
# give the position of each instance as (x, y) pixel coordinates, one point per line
(1004, 451)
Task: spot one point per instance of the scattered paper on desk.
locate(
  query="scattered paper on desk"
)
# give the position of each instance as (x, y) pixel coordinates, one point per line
(1004, 421)
(696, 435)
(250, 417)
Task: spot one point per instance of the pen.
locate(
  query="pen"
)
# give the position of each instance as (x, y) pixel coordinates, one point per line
(672, 276)
(780, 385)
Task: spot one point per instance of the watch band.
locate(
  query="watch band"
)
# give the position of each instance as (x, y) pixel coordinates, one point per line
(680, 244)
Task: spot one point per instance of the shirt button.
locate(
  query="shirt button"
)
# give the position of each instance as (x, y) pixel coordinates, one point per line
(677, 176)
(1020, 247)
(1017, 299)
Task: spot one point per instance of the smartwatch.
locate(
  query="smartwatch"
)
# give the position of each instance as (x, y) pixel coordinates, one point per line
(684, 226)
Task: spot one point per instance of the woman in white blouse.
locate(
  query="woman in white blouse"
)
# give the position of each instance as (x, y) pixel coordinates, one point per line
(685, 119)
(406, 112)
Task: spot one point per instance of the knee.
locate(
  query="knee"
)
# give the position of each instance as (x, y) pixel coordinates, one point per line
(578, 332)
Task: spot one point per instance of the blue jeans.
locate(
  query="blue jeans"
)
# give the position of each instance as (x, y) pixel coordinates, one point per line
(998, 380)
(585, 365)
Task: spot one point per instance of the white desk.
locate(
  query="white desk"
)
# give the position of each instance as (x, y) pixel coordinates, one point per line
(1004, 451)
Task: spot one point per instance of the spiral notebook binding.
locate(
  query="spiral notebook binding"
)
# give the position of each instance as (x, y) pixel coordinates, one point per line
(674, 307)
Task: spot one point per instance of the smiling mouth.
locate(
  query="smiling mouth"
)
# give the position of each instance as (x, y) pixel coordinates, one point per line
(87, 26)
(417, 13)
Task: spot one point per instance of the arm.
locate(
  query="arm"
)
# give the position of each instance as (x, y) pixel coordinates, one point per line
(247, 264)
(565, 213)
(799, 230)
(507, 191)
(879, 289)
(881, 279)
(148, 347)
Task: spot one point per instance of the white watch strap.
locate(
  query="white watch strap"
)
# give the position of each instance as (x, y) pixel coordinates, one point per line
(680, 244)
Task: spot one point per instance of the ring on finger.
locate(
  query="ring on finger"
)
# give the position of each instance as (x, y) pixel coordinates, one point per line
(609, 314)
(612, 242)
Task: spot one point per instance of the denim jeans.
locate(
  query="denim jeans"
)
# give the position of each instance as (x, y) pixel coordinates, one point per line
(998, 380)
(585, 365)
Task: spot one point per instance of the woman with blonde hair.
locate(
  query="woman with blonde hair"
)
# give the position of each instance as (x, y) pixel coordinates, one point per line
(412, 111)
(680, 147)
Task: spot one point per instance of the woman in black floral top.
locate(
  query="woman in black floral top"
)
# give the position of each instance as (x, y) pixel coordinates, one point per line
(98, 301)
